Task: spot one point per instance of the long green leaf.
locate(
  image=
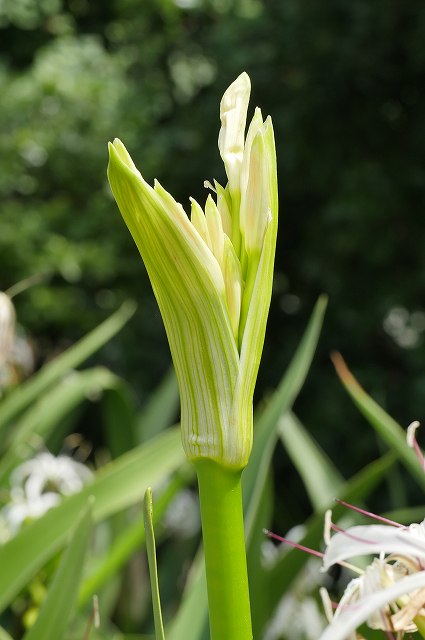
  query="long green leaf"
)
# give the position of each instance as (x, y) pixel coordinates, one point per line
(119, 414)
(59, 605)
(265, 432)
(42, 418)
(386, 427)
(259, 586)
(115, 487)
(320, 477)
(26, 393)
(193, 611)
(4, 635)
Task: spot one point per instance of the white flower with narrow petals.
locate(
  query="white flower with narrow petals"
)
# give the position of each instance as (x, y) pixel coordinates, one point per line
(390, 593)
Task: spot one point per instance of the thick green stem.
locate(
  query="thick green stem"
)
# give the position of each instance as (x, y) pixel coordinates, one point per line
(220, 496)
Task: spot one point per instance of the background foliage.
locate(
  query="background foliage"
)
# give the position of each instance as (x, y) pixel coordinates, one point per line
(344, 84)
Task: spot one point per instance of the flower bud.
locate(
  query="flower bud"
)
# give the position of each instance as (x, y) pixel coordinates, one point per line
(212, 277)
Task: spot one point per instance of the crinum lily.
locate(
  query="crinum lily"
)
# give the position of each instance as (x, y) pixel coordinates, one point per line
(390, 593)
(212, 277)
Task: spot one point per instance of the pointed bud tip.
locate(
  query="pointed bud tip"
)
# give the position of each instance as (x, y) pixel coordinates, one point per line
(118, 152)
(116, 145)
(244, 78)
(239, 87)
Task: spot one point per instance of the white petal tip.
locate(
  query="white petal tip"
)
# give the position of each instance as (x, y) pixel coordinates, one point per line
(411, 433)
(208, 185)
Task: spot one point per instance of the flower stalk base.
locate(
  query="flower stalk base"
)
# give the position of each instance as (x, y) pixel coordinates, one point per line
(220, 495)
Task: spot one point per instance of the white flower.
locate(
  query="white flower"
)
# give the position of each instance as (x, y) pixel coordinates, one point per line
(47, 473)
(21, 509)
(37, 485)
(390, 593)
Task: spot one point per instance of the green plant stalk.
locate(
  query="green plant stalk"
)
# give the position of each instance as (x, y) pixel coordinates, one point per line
(220, 495)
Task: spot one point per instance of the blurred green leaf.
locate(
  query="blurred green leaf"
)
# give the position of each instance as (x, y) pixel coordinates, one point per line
(59, 604)
(266, 424)
(193, 610)
(259, 584)
(319, 475)
(153, 569)
(4, 635)
(127, 542)
(406, 515)
(21, 397)
(119, 414)
(45, 415)
(116, 486)
(160, 409)
(385, 426)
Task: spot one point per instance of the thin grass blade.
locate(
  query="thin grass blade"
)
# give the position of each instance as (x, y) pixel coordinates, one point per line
(153, 569)
(127, 542)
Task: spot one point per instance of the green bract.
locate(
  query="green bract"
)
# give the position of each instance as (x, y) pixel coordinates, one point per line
(212, 277)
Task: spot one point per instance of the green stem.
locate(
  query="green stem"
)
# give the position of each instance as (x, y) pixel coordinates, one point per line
(220, 495)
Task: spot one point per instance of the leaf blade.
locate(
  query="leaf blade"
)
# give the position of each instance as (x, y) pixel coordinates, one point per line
(116, 486)
(385, 426)
(58, 607)
(320, 477)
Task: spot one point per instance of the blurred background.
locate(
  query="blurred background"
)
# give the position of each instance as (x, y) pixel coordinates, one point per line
(344, 83)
